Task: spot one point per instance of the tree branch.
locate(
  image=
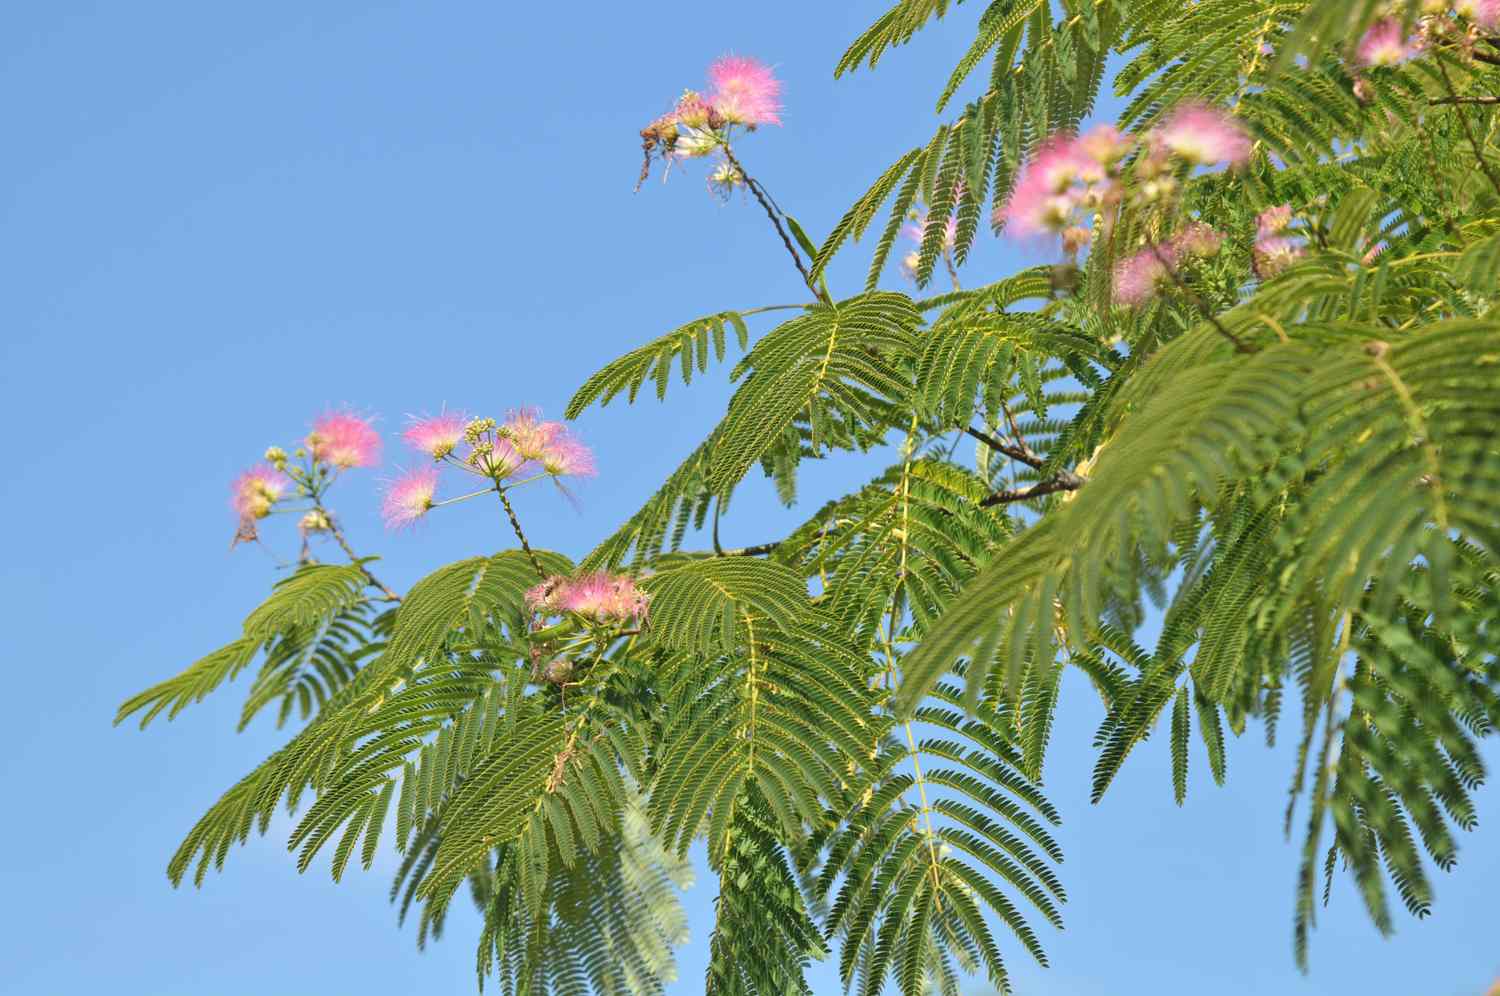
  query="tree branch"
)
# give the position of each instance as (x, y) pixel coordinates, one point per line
(1198, 302)
(1022, 453)
(338, 534)
(1463, 119)
(515, 524)
(775, 215)
(1067, 480)
(750, 551)
(1047, 487)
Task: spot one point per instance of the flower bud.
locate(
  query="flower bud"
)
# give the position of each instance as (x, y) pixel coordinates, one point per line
(476, 429)
(1075, 237)
(314, 522)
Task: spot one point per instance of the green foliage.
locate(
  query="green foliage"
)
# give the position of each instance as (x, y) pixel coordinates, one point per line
(835, 366)
(314, 619)
(690, 347)
(1298, 471)
(763, 936)
(914, 889)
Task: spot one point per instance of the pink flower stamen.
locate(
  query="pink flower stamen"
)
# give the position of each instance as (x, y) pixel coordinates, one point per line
(599, 597)
(344, 440)
(436, 435)
(1138, 277)
(256, 490)
(1204, 136)
(745, 92)
(409, 498)
(1384, 45)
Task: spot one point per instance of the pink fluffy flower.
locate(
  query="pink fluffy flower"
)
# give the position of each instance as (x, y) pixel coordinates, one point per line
(1486, 14)
(499, 460)
(256, 490)
(566, 456)
(1064, 175)
(547, 597)
(1138, 277)
(345, 440)
(1041, 201)
(916, 231)
(605, 598)
(436, 435)
(1383, 44)
(600, 597)
(409, 497)
(1104, 144)
(1204, 136)
(744, 91)
(528, 433)
(1273, 221)
(1197, 239)
(548, 444)
(909, 264)
(1274, 254)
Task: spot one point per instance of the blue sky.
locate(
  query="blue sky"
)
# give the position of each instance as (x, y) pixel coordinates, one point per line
(219, 219)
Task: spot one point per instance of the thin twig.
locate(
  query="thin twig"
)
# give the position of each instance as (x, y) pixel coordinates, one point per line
(1464, 100)
(1015, 430)
(515, 524)
(1066, 479)
(1198, 302)
(749, 551)
(775, 216)
(952, 270)
(1019, 453)
(1463, 119)
(338, 535)
(1035, 491)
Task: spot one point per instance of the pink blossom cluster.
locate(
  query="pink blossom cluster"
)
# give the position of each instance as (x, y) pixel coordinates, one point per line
(1460, 22)
(742, 91)
(1203, 136)
(344, 440)
(436, 435)
(1384, 43)
(256, 491)
(338, 441)
(1484, 14)
(523, 446)
(1275, 249)
(745, 91)
(599, 597)
(1070, 180)
(1065, 178)
(1137, 278)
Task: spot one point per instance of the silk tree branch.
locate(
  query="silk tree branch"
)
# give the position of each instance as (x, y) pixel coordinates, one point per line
(774, 214)
(1063, 480)
(1463, 119)
(1047, 487)
(515, 524)
(337, 533)
(1023, 453)
(1197, 302)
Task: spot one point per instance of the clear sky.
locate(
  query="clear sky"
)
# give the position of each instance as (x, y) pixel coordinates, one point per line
(217, 219)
